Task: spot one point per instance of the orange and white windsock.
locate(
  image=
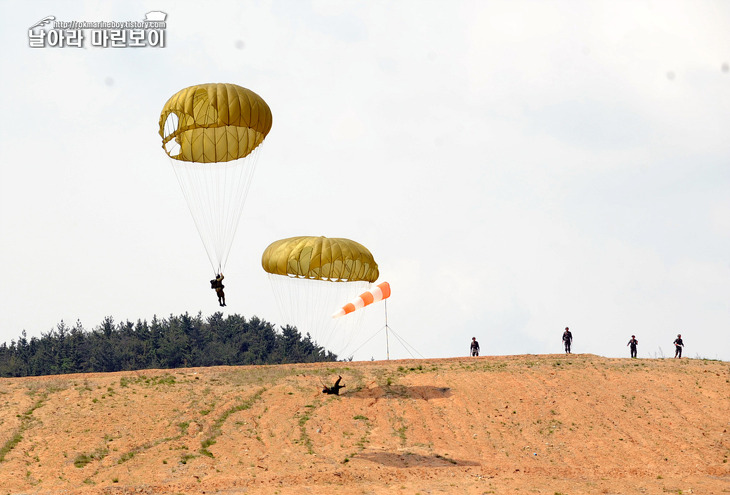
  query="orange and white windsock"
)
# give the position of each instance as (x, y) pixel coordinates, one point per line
(378, 293)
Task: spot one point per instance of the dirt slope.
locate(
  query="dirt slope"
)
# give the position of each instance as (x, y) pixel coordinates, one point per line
(550, 424)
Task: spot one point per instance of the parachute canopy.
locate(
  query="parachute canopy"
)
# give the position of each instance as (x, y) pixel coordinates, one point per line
(215, 122)
(320, 258)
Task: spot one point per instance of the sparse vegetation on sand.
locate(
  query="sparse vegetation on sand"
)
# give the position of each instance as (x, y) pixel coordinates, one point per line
(577, 424)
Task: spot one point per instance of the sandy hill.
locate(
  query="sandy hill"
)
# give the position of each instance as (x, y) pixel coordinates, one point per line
(550, 424)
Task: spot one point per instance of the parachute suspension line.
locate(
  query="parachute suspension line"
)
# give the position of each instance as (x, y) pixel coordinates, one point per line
(350, 327)
(215, 194)
(338, 334)
(190, 193)
(307, 304)
(190, 185)
(240, 188)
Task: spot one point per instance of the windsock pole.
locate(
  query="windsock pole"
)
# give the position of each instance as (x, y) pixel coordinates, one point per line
(380, 292)
(387, 345)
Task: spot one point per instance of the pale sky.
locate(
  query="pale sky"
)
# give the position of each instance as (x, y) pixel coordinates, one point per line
(515, 167)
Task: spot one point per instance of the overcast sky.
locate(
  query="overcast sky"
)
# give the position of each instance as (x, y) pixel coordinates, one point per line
(515, 167)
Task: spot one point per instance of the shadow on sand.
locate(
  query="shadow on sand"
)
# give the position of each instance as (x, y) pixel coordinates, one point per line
(408, 460)
(400, 391)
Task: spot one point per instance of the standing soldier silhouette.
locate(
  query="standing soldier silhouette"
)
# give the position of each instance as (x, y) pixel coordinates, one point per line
(633, 343)
(474, 347)
(678, 345)
(567, 340)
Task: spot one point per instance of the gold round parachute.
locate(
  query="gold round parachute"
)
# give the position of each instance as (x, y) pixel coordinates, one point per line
(216, 122)
(320, 258)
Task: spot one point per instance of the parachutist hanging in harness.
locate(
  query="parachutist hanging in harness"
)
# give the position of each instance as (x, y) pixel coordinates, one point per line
(210, 133)
(217, 284)
(334, 389)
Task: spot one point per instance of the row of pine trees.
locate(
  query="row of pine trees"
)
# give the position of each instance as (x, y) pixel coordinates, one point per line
(174, 342)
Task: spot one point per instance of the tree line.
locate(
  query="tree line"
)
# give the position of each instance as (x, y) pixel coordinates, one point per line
(174, 342)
